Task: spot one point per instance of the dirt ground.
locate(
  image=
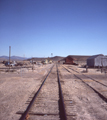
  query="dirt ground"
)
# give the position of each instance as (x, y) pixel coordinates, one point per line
(16, 88)
(81, 101)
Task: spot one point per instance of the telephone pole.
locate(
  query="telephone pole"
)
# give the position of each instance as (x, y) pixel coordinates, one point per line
(9, 56)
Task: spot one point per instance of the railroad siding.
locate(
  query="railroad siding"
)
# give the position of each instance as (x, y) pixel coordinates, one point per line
(81, 101)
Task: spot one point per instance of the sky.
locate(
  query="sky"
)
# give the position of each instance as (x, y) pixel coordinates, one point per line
(37, 28)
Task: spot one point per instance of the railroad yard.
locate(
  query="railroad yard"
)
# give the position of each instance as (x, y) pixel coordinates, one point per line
(53, 92)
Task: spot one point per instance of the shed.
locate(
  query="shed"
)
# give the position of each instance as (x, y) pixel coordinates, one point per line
(69, 60)
(97, 60)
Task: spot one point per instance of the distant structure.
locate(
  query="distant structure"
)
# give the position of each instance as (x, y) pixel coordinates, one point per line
(69, 60)
(97, 60)
(51, 54)
(45, 61)
(50, 61)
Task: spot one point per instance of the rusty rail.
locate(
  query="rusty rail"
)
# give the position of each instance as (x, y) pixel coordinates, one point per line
(100, 95)
(25, 115)
(62, 111)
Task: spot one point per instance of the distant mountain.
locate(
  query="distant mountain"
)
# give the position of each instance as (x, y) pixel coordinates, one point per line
(18, 58)
(12, 58)
(56, 58)
(59, 58)
(4, 57)
(36, 59)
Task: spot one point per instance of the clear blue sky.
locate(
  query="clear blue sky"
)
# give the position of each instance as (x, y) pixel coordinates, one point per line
(37, 28)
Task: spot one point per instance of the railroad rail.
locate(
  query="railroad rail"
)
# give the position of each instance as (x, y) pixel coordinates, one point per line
(88, 77)
(26, 113)
(63, 115)
(17, 67)
(60, 100)
(96, 91)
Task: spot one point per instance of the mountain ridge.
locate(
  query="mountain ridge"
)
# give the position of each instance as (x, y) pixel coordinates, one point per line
(55, 58)
(12, 58)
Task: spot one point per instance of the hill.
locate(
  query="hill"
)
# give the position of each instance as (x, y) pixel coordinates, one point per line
(56, 58)
(16, 58)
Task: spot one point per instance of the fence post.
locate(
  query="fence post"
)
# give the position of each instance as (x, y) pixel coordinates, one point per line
(86, 68)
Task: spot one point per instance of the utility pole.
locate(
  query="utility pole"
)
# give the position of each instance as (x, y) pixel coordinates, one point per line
(9, 56)
(32, 64)
(24, 59)
(51, 54)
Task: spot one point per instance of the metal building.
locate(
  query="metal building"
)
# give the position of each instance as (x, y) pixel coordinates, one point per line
(97, 60)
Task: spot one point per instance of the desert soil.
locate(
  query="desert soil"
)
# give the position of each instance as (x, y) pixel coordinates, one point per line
(81, 102)
(17, 87)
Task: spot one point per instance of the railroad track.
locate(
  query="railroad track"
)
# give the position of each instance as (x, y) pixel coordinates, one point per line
(47, 102)
(87, 76)
(95, 85)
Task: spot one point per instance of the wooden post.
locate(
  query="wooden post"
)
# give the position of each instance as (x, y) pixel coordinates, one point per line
(32, 64)
(86, 68)
(102, 66)
(99, 67)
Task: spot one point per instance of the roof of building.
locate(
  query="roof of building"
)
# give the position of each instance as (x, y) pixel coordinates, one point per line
(70, 57)
(94, 56)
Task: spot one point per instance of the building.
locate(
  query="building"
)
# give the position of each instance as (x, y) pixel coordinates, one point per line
(97, 60)
(69, 60)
